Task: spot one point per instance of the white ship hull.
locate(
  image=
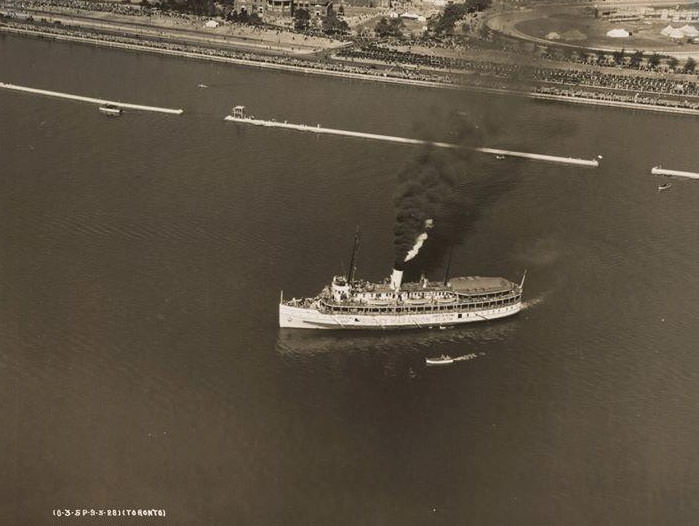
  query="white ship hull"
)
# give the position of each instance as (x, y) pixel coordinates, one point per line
(308, 318)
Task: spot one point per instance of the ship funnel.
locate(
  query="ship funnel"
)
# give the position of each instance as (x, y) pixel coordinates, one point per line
(396, 279)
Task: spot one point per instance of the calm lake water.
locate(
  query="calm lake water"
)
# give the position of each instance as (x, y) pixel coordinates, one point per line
(142, 258)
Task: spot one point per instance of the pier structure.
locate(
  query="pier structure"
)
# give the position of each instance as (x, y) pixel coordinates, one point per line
(80, 98)
(657, 170)
(239, 116)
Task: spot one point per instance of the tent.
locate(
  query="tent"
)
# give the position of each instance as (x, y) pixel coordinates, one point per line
(689, 31)
(667, 30)
(676, 33)
(618, 33)
(211, 23)
(553, 36)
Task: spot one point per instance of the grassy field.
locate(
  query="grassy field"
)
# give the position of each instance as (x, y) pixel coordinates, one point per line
(584, 30)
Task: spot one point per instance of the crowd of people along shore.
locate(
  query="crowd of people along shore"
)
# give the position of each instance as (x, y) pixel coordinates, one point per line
(618, 97)
(332, 66)
(566, 82)
(377, 60)
(117, 8)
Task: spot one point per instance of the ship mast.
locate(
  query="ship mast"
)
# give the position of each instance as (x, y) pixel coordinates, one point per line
(353, 260)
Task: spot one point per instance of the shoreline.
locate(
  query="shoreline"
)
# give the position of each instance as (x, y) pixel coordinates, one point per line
(612, 103)
(231, 60)
(342, 74)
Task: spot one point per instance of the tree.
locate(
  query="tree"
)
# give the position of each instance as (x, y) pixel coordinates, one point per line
(477, 5)
(332, 24)
(341, 10)
(654, 61)
(601, 56)
(690, 65)
(254, 19)
(444, 24)
(389, 28)
(636, 58)
(619, 56)
(302, 19)
(672, 63)
(483, 32)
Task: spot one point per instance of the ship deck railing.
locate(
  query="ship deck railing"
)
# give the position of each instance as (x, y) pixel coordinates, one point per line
(429, 308)
(456, 296)
(414, 300)
(360, 288)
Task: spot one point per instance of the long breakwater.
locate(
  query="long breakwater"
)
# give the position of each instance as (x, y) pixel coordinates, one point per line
(591, 163)
(312, 129)
(80, 98)
(657, 170)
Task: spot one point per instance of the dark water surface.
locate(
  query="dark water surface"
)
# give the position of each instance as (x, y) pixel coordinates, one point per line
(141, 262)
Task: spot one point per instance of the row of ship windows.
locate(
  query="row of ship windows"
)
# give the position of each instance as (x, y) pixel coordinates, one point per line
(420, 295)
(426, 308)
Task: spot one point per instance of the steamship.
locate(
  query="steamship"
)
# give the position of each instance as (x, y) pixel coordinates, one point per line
(349, 303)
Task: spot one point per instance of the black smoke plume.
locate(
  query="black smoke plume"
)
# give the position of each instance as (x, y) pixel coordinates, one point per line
(426, 191)
(451, 186)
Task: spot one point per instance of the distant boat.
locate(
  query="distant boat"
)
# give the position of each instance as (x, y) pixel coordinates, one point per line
(500, 157)
(112, 110)
(665, 186)
(445, 359)
(202, 86)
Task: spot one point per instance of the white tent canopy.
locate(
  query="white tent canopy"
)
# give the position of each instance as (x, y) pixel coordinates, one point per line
(211, 23)
(667, 30)
(676, 33)
(618, 33)
(689, 31)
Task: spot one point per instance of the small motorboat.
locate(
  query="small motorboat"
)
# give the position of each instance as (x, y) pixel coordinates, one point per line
(665, 186)
(499, 157)
(111, 110)
(202, 86)
(445, 359)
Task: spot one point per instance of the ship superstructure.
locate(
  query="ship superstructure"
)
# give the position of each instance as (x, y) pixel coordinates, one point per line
(348, 303)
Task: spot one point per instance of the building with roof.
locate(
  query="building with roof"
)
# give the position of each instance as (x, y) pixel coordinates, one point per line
(318, 8)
